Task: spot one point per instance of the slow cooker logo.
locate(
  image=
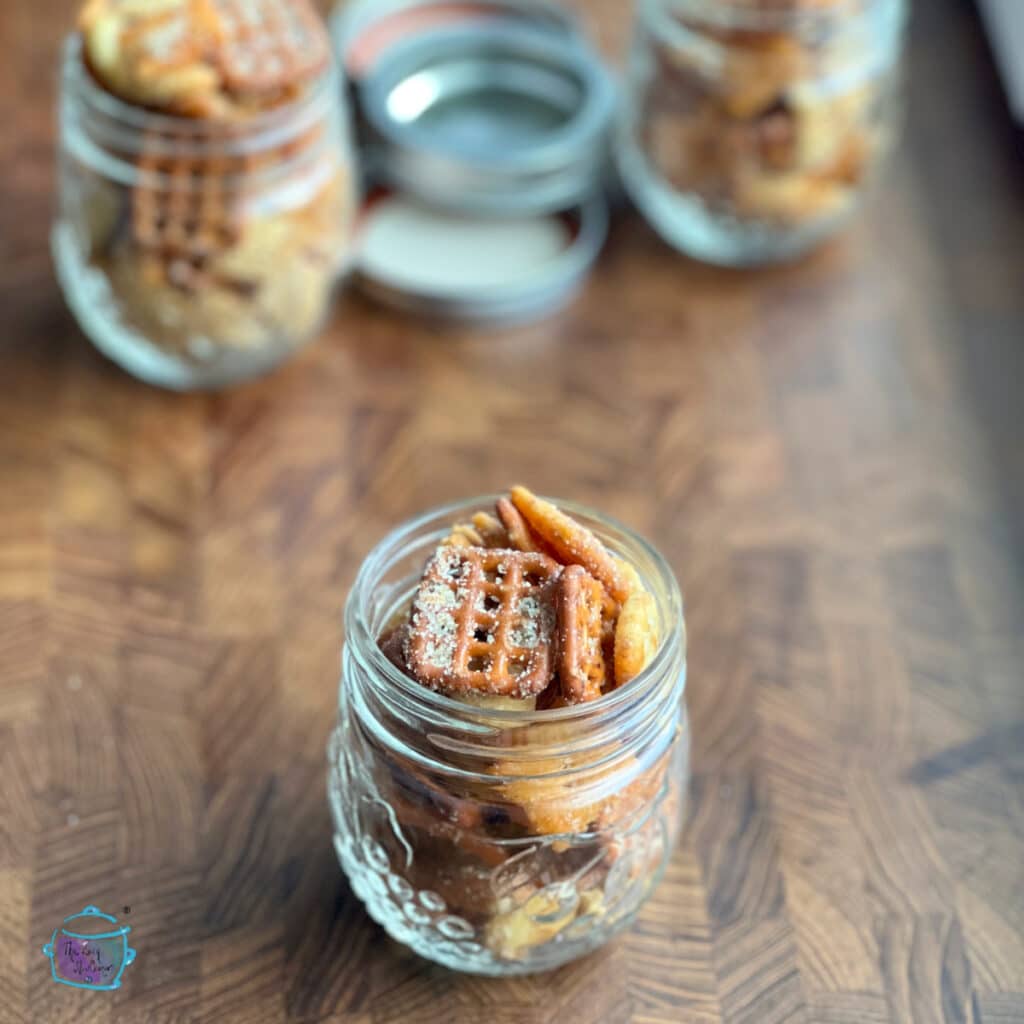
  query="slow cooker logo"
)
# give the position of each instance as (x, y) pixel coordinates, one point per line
(89, 950)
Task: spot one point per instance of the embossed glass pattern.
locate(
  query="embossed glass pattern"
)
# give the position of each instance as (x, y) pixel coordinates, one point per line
(495, 841)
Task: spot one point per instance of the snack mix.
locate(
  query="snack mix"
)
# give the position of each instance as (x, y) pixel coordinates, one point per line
(524, 609)
(773, 125)
(220, 239)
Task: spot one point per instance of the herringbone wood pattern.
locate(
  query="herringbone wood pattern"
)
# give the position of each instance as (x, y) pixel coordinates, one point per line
(830, 456)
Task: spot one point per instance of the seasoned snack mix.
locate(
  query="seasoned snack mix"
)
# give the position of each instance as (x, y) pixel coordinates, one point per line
(759, 123)
(206, 192)
(504, 618)
(519, 781)
(204, 58)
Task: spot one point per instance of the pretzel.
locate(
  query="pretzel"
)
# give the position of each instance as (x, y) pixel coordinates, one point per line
(271, 44)
(636, 636)
(581, 664)
(483, 621)
(194, 223)
(204, 58)
(571, 542)
(515, 525)
(463, 536)
(483, 531)
(491, 530)
(551, 698)
(182, 212)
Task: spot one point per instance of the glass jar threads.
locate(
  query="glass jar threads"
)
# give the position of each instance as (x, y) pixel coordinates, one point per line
(199, 233)
(495, 840)
(753, 127)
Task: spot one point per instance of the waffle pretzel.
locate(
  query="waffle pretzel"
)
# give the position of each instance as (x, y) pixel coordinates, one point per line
(183, 211)
(193, 215)
(270, 45)
(570, 541)
(581, 663)
(483, 621)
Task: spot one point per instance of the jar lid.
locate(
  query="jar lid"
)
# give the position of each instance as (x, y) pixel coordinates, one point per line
(363, 30)
(491, 116)
(476, 268)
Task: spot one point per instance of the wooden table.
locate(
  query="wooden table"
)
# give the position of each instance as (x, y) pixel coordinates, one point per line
(831, 457)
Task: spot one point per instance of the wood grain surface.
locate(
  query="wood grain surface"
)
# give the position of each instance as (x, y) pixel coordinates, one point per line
(831, 457)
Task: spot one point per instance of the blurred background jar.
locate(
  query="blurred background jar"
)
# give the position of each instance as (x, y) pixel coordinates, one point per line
(753, 127)
(195, 252)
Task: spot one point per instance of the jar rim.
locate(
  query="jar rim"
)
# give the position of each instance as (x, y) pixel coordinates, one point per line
(360, 634)
(263, 130)
(742, 15)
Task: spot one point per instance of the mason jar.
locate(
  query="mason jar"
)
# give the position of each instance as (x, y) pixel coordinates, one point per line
(197, 252)
(752, 128)
(493, 840)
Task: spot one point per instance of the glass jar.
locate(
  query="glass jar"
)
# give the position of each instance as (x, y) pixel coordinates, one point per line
(196, 253)
(500, 841)
(753, 127)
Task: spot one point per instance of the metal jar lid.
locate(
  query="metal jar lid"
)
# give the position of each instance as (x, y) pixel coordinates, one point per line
(491, 116)
(381, 21)
(422, 275)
